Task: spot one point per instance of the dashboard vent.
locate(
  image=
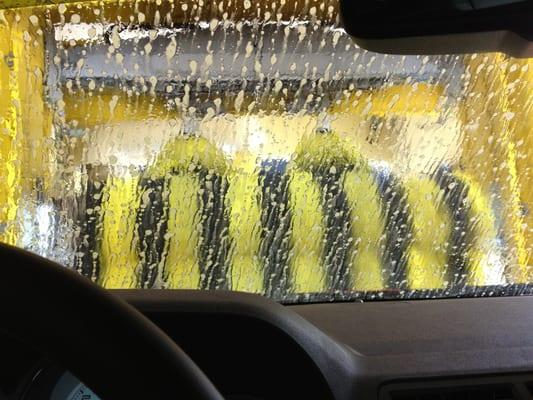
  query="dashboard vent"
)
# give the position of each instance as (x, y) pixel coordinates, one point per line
(477, 392)
(529, 386)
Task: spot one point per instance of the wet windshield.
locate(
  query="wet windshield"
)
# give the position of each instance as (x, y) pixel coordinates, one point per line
(254, 147)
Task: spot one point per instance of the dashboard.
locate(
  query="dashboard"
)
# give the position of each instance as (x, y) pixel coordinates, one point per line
(253, 348)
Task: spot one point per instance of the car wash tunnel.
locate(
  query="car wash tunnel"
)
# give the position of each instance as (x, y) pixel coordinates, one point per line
(261, 152)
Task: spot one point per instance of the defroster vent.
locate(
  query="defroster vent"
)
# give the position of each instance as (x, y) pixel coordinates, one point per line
(506, 387)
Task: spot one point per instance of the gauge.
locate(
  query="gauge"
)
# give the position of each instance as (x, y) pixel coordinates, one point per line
(51, 382)
(70, 388)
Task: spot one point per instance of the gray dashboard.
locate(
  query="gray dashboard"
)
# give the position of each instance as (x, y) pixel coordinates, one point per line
(427, 340)
(252, 348)
(362, 347)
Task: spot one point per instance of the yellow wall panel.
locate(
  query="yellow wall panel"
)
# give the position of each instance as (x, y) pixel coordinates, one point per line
(24, 119)
(493, 103)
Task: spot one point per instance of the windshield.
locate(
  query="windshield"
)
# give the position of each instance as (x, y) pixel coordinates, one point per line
(254, 147)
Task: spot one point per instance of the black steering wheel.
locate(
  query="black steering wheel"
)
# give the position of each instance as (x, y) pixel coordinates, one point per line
(107, 344)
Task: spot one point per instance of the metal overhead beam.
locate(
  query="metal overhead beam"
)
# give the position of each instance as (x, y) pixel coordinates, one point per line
(272, 61)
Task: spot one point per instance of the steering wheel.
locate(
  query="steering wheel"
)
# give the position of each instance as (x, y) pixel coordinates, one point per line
(106, 343)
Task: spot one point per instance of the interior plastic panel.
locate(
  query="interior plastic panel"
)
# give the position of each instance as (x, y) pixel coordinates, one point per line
(359, 347)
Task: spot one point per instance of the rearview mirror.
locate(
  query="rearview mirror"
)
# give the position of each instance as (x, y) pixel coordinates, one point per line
(441, 26)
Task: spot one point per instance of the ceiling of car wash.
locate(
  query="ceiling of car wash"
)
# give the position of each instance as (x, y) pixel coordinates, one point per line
(243, 84)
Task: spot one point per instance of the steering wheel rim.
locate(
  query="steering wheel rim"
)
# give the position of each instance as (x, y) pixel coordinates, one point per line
(110, 346)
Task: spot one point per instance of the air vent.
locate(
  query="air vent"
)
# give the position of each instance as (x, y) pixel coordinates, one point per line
(492, 387)
(529, 386)
(478, 392)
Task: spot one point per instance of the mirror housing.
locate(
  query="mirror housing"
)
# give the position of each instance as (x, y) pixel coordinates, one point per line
(441, 26)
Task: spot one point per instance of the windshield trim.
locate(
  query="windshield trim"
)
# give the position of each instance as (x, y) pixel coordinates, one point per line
(466, 292)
